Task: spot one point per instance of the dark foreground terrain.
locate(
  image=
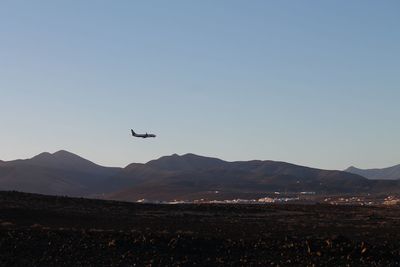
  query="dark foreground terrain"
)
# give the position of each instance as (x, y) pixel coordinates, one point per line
(40, 230)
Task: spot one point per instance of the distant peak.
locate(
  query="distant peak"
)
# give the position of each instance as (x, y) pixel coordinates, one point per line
(183, 157)
(63, 153)
(191, 155)
(42, 155)
(351, 168)
(56, 156)
(186, 162)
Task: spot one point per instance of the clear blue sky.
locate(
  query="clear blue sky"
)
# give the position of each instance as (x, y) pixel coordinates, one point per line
(315, 83)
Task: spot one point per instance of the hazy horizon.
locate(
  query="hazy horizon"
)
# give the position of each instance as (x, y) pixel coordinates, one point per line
(311, 83)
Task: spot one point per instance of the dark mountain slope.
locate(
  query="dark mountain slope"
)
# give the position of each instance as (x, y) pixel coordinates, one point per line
(191, 176)
(65, 160)
(187, 162)
(184, 177)
(61, 173)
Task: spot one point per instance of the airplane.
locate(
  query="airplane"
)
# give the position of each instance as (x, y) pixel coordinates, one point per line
(142, 135)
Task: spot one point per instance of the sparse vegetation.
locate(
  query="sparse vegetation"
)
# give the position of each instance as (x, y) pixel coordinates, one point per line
(41, 230)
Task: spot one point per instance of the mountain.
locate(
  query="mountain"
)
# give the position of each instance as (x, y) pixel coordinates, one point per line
(185, 177)
(191, 177)
(188, 162)
(391, 173)
(60, 173)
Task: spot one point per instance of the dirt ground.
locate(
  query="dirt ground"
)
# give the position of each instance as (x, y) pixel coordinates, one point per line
(40, 230)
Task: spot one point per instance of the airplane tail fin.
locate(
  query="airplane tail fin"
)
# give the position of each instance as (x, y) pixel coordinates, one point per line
(133, 133)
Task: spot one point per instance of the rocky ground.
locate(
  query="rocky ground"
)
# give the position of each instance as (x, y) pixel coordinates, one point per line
(40, 230)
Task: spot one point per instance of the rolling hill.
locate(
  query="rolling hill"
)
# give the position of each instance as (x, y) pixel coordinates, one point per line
(391, 173)
(185, 177)
(193, 177)
(60, 173)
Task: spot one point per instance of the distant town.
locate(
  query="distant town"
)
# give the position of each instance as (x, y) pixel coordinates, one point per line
(300, 198)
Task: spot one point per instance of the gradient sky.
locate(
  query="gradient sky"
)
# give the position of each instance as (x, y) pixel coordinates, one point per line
(315, 83)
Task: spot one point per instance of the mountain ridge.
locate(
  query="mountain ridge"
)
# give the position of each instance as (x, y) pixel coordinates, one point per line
(206, 175)
(59, 173)
(389, 173)
(184, 177)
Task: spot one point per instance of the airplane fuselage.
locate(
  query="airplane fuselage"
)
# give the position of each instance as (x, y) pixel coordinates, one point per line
(146, 135)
